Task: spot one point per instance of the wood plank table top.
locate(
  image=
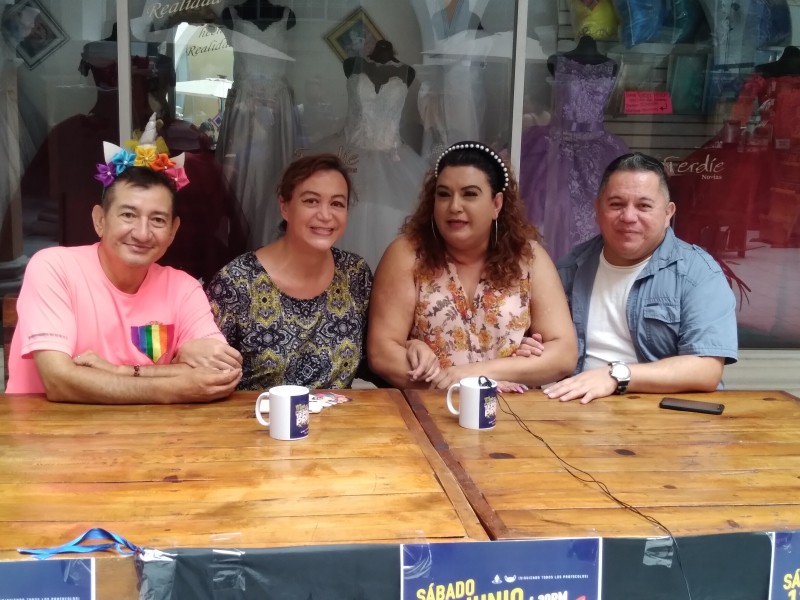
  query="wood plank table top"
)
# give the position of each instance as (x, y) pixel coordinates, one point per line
(208, 475)
(695, 473)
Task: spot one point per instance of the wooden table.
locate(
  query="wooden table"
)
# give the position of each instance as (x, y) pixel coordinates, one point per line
(209, 475)
(696, 474)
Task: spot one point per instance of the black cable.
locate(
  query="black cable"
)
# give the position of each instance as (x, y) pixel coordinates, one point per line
(588, 478)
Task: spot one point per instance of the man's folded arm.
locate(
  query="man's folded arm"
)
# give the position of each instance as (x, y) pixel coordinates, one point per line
(96, 383)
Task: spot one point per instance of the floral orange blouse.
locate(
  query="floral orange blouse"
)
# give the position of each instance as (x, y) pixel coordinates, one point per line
(462, 331)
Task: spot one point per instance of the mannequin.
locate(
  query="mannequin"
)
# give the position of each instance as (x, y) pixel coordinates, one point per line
(386, 173)
(760, 166)
(787, 64)
(585, 52)
(61, 172)
(258, 132)
(57, 185)
(562, 162)
(262, 13)
(381, 66)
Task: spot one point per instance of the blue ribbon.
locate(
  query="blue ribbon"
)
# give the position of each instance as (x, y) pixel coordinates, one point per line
(109, 541)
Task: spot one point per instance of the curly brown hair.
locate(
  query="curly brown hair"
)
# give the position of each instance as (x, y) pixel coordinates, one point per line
(514, 233)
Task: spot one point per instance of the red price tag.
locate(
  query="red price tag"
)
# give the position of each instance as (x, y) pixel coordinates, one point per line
(648, 103)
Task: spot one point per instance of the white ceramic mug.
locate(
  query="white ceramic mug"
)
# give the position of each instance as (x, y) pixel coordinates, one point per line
(288, 411)
(477, 402)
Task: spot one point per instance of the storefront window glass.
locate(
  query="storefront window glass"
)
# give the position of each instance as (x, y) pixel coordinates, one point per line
(384, 85)
(243, 87)
(709, 87)
(59, 102)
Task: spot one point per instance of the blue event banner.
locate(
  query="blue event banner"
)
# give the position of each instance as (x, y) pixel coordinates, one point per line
(785, 578)
(69, 579)
(552, 569)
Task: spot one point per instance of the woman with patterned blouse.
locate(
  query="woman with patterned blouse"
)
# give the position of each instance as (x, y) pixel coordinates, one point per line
(460, 292)
(297, 308)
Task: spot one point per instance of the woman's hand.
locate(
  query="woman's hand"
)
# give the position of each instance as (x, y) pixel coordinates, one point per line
(530, 346)
(423, 362)
(509, 387)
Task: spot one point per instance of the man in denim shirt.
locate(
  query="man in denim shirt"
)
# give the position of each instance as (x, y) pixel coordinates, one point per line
(651, 312)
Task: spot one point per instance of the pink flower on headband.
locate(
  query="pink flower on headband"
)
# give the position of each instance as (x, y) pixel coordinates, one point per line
(106, 174)
(178, 175)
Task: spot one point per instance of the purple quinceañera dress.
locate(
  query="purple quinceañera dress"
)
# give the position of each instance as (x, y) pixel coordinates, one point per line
(562, 162)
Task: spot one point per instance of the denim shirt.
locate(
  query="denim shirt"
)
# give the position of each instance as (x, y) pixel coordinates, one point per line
(680, 303)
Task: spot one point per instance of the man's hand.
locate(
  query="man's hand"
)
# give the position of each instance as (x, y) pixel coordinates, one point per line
(209, 353)
(90, 359)
(422, 360)
(202, 384)
(530, 346)
(591, 384)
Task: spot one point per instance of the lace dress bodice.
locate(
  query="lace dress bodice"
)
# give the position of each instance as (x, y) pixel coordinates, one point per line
(580, 94)
(373, 118)
(251, 48)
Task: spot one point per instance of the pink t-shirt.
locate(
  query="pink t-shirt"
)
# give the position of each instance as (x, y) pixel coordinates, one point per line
(68, 304)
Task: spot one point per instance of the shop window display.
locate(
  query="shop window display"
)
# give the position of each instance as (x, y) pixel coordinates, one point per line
(440, 82)
(729, 77)
(452, 98)
(259, 129)
(562, 162)
(386, 172)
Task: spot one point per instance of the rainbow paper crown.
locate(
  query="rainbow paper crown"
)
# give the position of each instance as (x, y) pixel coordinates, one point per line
(149, 151)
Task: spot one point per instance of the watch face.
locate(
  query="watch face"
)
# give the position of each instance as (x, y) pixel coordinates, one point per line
(620, 371)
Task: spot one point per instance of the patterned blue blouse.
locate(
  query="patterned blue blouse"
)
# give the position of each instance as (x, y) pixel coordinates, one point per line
(317, 343)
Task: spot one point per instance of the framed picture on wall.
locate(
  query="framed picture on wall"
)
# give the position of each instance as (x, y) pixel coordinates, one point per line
(356, 35)
(31, 31)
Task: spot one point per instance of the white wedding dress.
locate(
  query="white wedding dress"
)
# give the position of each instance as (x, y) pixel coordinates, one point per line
(257, 137)
(386, 173)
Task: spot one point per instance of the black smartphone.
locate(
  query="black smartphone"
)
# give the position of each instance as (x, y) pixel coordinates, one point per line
(711, 408)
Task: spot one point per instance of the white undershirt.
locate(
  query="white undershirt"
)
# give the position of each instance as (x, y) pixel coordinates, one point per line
(608, 337)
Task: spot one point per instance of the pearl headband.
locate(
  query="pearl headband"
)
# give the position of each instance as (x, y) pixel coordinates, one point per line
(475, 146)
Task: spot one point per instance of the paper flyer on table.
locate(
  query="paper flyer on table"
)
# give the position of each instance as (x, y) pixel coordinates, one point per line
(785, 577)
(54, 579)
(553, 569)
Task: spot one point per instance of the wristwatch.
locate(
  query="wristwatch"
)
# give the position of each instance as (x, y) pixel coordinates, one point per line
(621, 373)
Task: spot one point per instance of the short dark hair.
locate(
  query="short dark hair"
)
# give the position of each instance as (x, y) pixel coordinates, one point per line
(303, 168)
(142, 178)
(636, 161)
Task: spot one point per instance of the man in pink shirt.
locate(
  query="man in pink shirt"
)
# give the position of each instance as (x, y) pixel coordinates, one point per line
(104, 324)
